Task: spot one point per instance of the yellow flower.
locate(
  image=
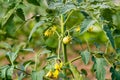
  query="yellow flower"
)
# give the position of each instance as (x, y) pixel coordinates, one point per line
(61, 64)
(67, 39)
(90, 29)
(54, 28)
(56, 73)
(49, 74)
(77, 29)
(48, 32)
(58, 66)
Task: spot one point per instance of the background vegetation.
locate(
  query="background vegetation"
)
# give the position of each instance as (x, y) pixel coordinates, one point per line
(36, 37)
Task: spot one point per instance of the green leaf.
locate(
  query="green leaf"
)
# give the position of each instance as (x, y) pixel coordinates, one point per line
(34, 2)
(45, 51)
(99, 64)
(51, 57)
(67, 8)
(28, 63)
(107, 14)
(35, 28)
(10, 13)
(76, 73)
(116, 19)
(116, 33)
(5, 45)
(115, 74)
(109, 35)
(8, 17)
(22, 75)
(3, 70)
(74, 18)
(11, 56)
(37, 75)
(52, 41)
(10, 72)
(85, 56)
(28, 49)
(20, 13)
(86, 24)
(11, 6)
(2, 32)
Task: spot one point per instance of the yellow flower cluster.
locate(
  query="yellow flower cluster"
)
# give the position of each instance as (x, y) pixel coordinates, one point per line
(55, 73)
(50, 31)
(77, 29)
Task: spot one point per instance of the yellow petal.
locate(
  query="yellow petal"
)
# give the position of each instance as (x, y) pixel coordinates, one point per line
(57, 66)
(56, 73)
(49, 74)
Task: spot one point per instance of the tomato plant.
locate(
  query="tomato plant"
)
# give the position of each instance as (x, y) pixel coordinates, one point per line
(47, 29)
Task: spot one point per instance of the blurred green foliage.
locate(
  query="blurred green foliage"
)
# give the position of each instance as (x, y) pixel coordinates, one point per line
(23, 24)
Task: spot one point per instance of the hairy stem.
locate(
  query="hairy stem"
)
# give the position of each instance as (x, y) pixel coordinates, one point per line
(63, 45)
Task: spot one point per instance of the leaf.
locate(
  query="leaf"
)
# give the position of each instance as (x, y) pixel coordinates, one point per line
(10, 13)
(37, 75)
(116, 19)
(10, 27)
(21, 76)
(10, 72)
(11, 6)
(8, 17)
(52, 41)
(86, 24)
(45, 51)
(75, 18)
(51, 57)
(67, 8)
(2, 32)
(76, 74)
(79, 1)
(34, 2)
(85, 56)
(28, 49)
(107, 14)
(11, 57)
(5, 45)
(99, 64)
(28, 63)
(3, 70)
(109, 35)
(20, 13)
(35, 28)
(116, 33)
(115, 74)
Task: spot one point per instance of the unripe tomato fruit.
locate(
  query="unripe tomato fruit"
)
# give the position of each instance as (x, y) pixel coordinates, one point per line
(67, 39)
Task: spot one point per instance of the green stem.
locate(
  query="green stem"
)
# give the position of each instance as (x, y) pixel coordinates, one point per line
(107, 61)
(36, 60)
(63, 45)
(22, 71)
(68, 16)
(79, 57)
(106, 47)
(59, 46)
(88, 45)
